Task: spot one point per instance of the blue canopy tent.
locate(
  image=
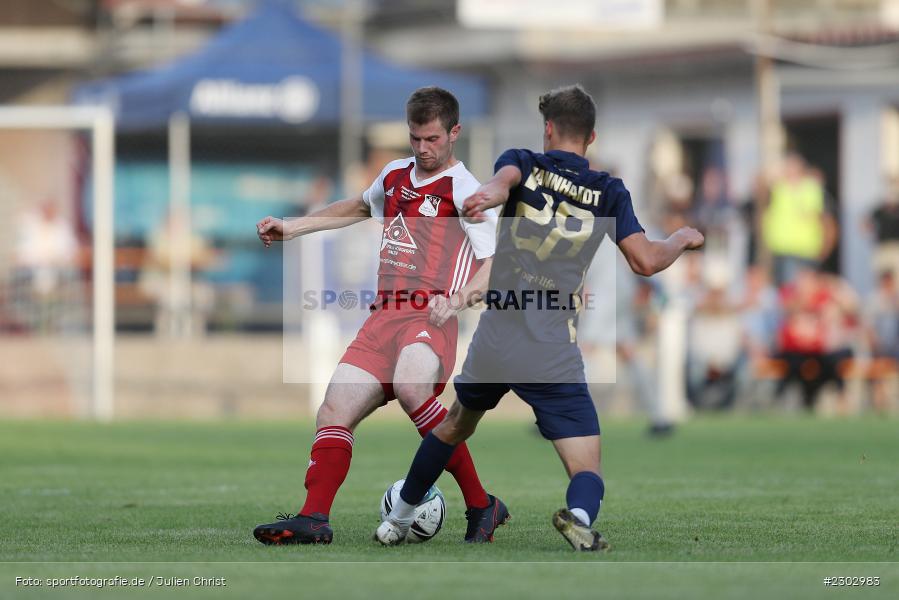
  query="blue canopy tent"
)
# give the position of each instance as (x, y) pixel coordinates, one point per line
(272, 68)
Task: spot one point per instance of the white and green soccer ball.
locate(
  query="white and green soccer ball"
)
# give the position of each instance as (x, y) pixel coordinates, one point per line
(428, 514)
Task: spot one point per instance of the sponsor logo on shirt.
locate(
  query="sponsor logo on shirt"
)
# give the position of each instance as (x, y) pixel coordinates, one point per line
(407, 194)
(396, 239)
(389, 192)
(423, 334)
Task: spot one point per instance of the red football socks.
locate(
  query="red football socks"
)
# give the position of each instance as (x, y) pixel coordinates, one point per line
(460, 465)
(329, 464)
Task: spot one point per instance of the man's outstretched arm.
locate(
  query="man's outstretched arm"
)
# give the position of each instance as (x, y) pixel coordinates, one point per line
(491, 194)
(334, 216)
(647, 257)
(442, 308)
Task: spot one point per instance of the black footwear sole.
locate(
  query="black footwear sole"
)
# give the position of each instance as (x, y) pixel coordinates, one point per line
(579, 536)
(284, 537)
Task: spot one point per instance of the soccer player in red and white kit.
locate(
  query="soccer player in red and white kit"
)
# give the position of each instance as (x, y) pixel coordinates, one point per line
(432, 264)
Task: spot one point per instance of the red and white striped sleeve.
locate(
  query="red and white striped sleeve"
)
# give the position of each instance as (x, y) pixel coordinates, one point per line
(481, 235)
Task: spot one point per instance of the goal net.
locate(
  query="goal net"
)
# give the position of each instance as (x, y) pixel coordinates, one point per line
(56, 249)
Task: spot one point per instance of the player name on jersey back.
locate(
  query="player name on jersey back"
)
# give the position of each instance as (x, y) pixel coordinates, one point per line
(561, 185)
(555, 220)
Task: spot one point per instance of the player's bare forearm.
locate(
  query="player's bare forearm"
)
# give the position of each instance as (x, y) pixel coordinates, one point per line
(473, 291)
(340, 214)
(665, 252)
(441, 308)
(647, 257)
(334, 216)
(491, 194)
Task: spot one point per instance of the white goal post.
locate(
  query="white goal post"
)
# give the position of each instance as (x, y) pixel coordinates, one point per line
(99, 121)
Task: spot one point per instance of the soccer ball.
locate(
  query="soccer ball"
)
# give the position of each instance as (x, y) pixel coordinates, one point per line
(428, 514)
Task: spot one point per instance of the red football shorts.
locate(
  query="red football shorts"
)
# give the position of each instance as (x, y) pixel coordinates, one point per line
(388, 330)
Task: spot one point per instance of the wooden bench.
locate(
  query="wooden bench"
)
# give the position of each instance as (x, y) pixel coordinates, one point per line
(874, 369)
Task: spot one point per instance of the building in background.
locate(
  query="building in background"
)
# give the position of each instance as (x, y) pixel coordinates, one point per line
(687, 91)
(674, 79)
(677, 80)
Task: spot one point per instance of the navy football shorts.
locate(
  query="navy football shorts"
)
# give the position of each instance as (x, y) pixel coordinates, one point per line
(548, 376)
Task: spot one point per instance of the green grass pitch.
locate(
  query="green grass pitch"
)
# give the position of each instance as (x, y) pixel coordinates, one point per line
(727, 507)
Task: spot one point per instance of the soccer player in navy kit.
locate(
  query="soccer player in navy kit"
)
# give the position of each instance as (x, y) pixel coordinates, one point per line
(557, 211)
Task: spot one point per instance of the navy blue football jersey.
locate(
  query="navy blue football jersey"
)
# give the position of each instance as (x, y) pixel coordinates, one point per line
(554, 221)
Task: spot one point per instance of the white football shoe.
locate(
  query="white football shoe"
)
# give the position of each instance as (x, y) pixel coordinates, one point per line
(390, 533)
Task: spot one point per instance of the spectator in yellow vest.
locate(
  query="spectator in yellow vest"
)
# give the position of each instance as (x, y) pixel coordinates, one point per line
(796, 227)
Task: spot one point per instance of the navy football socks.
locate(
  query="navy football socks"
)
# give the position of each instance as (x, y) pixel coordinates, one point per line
(428, 464)
(584, 496)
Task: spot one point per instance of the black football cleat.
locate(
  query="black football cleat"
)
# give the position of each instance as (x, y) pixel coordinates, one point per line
(482, 522)
(299, 529)
(580, 536)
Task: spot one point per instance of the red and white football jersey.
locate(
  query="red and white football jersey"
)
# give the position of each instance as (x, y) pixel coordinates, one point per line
(425, 244)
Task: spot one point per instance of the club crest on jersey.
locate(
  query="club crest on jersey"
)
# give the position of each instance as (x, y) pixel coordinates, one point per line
(397, 238)
(429, 205)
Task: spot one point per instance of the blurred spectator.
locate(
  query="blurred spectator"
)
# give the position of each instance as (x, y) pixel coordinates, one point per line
(760, 313)
(678, 288)
(725, 233)
(884, 223)
(178, 312)
(713, 210)
(883, 335)
(816, 334)
(750, 210)
(46, 249)
(715, 350)
(616, 324)
(796, 227)
(677, 192)
(46, 255)
(621, 324)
